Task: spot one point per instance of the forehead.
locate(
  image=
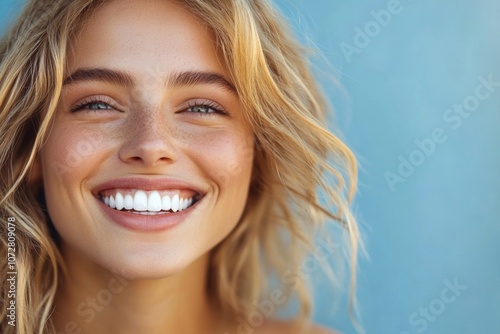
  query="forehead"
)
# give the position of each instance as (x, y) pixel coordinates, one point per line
(145, 37)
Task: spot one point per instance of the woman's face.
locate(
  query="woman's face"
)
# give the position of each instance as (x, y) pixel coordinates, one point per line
(148, 123)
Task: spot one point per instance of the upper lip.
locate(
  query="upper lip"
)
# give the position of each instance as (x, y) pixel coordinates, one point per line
(143, 183)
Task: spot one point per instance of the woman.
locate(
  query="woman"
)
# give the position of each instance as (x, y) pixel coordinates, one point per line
(161, 159)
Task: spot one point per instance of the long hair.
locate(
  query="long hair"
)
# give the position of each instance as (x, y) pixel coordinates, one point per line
(303, 175)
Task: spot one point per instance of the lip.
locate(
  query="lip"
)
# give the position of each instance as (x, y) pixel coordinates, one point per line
(149, 223)
(147, 184)
(143, 223)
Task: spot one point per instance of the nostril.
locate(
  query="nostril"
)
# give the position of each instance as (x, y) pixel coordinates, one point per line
(147, 155)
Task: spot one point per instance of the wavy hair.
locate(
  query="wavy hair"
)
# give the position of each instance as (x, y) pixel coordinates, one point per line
(303, 175)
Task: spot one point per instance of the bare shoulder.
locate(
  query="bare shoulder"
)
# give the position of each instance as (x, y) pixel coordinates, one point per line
(287, 327)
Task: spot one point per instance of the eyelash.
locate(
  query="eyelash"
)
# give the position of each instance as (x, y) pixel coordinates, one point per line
(217, 109)
(84, 104)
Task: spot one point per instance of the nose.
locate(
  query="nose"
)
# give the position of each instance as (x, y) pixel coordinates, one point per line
(148, 142)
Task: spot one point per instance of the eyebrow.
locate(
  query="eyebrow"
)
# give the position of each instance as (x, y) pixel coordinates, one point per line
(99, 74)
(187, 78)
(192, 78)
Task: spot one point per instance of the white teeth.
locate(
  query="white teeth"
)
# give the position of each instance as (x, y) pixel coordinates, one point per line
(165, 203)
(128, 202)
(154, 202)
(142, 203)
(119, 201)
(175, 203)
(112, 202)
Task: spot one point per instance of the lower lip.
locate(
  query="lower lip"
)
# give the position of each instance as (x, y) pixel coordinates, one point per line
(146, 223)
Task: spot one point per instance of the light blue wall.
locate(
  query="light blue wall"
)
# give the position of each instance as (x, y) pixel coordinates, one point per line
(8, 11)
(441, 224)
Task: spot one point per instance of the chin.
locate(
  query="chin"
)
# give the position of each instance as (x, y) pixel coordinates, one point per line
(149, 266)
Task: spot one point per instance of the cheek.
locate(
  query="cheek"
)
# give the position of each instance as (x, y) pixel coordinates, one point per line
(226, 157)
(70, 152)
(70, 155)
(64, 158)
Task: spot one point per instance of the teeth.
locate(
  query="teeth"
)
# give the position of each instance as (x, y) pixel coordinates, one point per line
(119, 201)
(112, 202)
(128, 202)
(142, 203)
(154, 201)
(165, 203)
(175, 203)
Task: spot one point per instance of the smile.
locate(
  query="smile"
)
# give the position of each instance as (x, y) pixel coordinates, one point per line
(149, 202)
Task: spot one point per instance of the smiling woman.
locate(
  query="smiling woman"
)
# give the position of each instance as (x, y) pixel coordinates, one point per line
(162, 159)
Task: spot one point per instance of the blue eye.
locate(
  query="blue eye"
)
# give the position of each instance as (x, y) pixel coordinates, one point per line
(202, 109)
(97, 106)
(206, 107)
(93, 104)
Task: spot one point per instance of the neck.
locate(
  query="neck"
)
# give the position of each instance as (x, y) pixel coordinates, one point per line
(93, 300)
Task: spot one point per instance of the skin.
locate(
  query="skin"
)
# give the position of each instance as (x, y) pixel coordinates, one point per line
(124, 281)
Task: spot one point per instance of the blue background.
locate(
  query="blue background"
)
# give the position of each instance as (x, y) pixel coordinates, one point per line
(441, 223)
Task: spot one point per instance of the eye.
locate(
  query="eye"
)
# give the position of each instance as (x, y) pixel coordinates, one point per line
(205, 107)
(95, 104)
(201, 108)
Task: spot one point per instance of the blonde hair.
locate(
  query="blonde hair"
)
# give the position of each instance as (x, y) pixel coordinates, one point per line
(299, 164)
